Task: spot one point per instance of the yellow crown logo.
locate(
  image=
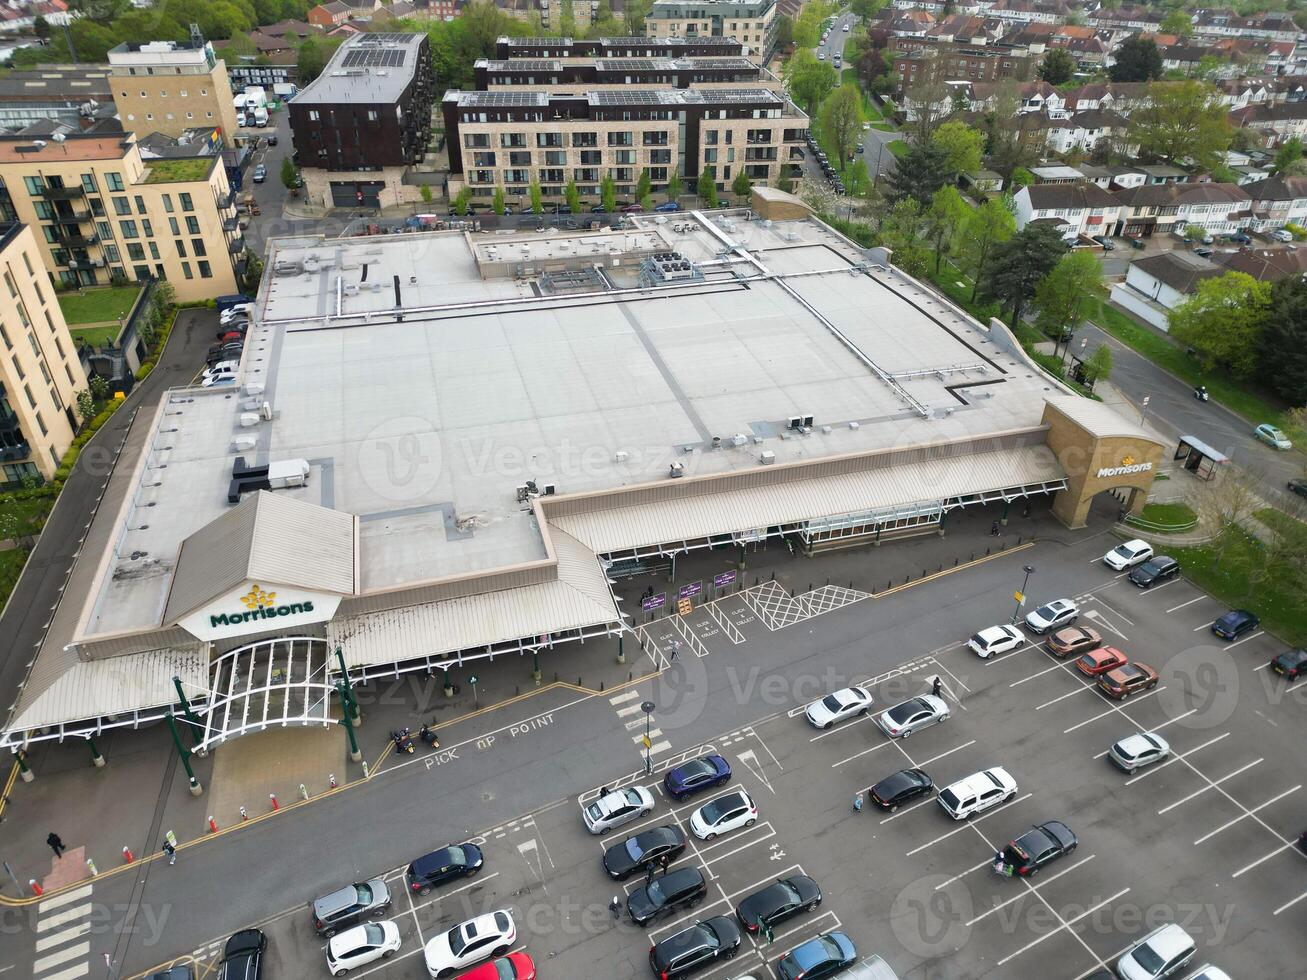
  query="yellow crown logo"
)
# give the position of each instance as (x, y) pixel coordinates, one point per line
(257, 598)
(1128, 461)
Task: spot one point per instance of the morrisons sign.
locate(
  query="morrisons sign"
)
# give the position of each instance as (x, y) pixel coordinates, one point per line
(263, 612)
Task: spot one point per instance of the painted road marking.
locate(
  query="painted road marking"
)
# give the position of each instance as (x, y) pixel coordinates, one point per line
(63, 918)
(59, 938)
(1247, 813)
(1211, 784)
(64, 899)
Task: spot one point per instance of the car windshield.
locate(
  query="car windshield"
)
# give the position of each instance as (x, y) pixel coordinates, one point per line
(655, 891)
(634, 849)
(832, 703)
(504, 969)
(457, 855)
(1046, 612)
(631, 796)
(374, 933)
(1123, 551)
(364, 894)
(949, 798)
(457, 943)
(1147, 957)
(695, 769)
(594, 812)
(714, 811)
(1129, 672)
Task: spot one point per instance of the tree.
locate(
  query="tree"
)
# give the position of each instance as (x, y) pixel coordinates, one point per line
(868, 9)
(1288, 158)
(497, 202)
(462, 200)
(310, 59)
(929, 98)
(1177, 22)
(841, 121)
(537, 198)
(901, 232)
(1137, 60)
(1020, 264)
(961, 145)
(857, 181)
(633, 15)
(1098, 365)
(1179, 120)
(919, 174)
(1067, 294)
(942, 221)
(784, 31)
(573, 197)
(675, 186)
(707, 186)
(984, 229)
(41, 27)
(1195, 232)
(1284, 341)
(1224, 321)
(1223, 508)
(86, 407)
(644, 185)
(740, 186)
(1057, 66)
(288, 173)
(424, 192)
(809, 80)
(608, 193)
(1010, 144)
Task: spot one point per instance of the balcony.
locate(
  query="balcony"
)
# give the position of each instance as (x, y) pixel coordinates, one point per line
(63, 193)
(73, 218)
(229, 201)
(86, 263)
(75, 240)
(236, 245)
(11, 454)
(231, 224)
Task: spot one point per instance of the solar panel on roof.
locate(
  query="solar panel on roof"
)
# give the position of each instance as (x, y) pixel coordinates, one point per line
(372, 57)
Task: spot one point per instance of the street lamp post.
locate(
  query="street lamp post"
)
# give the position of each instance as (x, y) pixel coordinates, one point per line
(1021, 596)
(647, 707)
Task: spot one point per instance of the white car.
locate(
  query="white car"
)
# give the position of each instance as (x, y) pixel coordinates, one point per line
(1128, 555)
(361, 945)
(821, 55)
(1159, 954)
(492, 934)
(1208, 972)
(1136, 751)
(235, 312)
(995, 639)
(912, 715)
(977, 793)
(1282, 235)
(616, 808)
(1059, 612)
(846, 28)
(838, 706)
(732, 811)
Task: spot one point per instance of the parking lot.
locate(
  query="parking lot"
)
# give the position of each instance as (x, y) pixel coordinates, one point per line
(1205, 838)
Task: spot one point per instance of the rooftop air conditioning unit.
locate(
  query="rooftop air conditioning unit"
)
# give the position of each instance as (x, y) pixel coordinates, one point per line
(288, 473)
(249, 419)
(266, 411)
(767, 457)
(351, 289)
(677, 470)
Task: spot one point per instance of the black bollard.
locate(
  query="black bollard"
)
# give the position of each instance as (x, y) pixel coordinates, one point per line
(601, 687)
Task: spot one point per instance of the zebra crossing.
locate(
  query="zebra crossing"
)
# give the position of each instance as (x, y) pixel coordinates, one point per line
(63, 924)
(627, 706)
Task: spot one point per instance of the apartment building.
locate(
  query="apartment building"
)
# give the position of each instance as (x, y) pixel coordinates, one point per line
(568, 15)
(578, 76)
(510, 138)
(922, 56)
(54, 93)
(362, 123)
(585, 50)
(171, 86)
(40, 373)
(101, 213)
(751, 22)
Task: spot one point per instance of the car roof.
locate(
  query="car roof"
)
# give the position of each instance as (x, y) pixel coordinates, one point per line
(339, 899)
(438, 859)
(682, 877)
(351, 938)
(1140, 741)
(245, 941)
(1168, 940)
(980, 781)
(904, 777)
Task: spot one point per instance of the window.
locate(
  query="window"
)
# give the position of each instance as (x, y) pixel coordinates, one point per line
(9, 281)
(483, 159)
(140, 204)
(621, 139)
(167, 203)
(186, 270)
(88, 183)
(35, 186)
(591, 157)
(50, 236)
(111, 253)
(154, 250)
(710, 137)
(187, 203)
(709, 156)
(104, 229)
(142, 272)
(128, 229)
(555, 158)
(192, 224)
(512, 140)
(205, 271)
(181, 248)
(114, 181)
(135, 251)
(519, 159)
(121, 206)
(585, 139)
(197, 246)
(40, 422)
(174, 227)
(549, 140)
(147, 229)
(474, 141)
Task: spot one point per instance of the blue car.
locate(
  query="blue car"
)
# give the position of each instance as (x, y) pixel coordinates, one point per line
(820, 957)
(668, 206)
(1235, 624)
(696, 775)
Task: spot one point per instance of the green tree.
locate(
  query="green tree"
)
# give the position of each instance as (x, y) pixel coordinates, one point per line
(1067, 294)
(961, 144)
(1098, 365)
(462, 201)
(707, 186)
(1283, 350)
(100, 11)
(675, 186)
(608, 193)
(1020, 264)
(41, 28)
(857, 181)
(1010, 144)
(537, 198)
(901, 232)
(644, 185)
(311, 58)
(1288, 158)
(1195, 232)
(1137, 60)
(86, 408)
(573, 197)
(1177, 22)
(1021, 177)
(918, 174)
(1224, 322)
(784, 31)
(633, 15)
(943, 220)
(1057, 66)
(809, 80)
(841, 121)
(740, 186)
(1182, 120)
(497, 202)
(288, 173)
(868, 9)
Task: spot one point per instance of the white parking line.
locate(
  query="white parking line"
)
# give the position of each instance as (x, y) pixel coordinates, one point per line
(1115, 611)
(1265, 857)
(1211, 784)
(1250, 636)
(1290, 690)
(955, 748)
(1115, 709)
(1159, 588)
(771, 832)
(1062, 697)
(836, 729)
(988, 862)
(908, 810)
(990, 661)
(968, 825)
(1248, 813)
(1189, 603)
(1067, 925)
(1289, 904)
(1175, 758)
(1031, 677)
(858, 755)
(1021, 895)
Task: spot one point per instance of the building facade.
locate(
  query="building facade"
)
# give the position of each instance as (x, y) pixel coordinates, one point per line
(100, 213)
(171, 86)
(361, 124)
(751, 22)
(40, 373)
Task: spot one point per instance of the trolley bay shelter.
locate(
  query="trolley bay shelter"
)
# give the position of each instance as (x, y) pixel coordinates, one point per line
(439, 446)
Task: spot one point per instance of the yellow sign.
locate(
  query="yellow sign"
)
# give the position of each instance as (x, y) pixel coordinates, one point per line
(258, 598)
(684, 607)
(647, 743)
(1019, 596)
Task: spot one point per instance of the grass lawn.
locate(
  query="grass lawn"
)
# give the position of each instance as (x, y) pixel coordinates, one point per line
(1253, 406)
(29, 515)
(1291, 527)
(11, 564)
(95, 336)
(1168, 515)
(899, 148)
(97, 305)
(1241, 577)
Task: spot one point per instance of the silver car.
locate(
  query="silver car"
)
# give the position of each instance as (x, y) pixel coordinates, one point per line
(912, 715)
(1136, 751)
(616, 808)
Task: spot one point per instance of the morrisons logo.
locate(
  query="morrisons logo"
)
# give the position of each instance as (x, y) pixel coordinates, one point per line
(259, 604)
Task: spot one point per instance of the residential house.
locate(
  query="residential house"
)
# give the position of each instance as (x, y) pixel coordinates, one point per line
(1220, 209)
(1081, 208)
(337, 12)
(1157, 284)
(1240, 92)
(1056, 174)
(1226, 23)
(1026, 11)
(1274, 122)
(1128, 18)
(983, 181)
(911, 23)
(1266, 264)
(1086, 130)
(956, 62)
(1278, 201)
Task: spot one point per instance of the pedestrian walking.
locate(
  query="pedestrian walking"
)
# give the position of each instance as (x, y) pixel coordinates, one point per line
(56, 844)
(857, 802)
(171, 851)
(936, 686)
(993, 530)
(676, 652)
(666, 859)
(767, 931)
(604, 791)
(615, 906)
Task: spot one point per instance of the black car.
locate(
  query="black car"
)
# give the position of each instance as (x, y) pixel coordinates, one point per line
(1299, 487)
(223, 352)
(272, 139)
(1037, 847)
(181, 971)
(1291, 664)
(446, 864)
(703, 944)
(1158, 569)
(902, 787)
(242, 957)
(684, 887)
(778, 901)
(1235, 624)
(637, 852)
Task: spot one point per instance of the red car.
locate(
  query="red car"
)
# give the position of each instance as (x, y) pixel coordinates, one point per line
(514, 966)
(1100, 661)
(228, 336)
(1124, 681)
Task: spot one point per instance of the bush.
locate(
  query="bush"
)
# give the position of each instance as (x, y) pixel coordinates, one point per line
(1297, 231)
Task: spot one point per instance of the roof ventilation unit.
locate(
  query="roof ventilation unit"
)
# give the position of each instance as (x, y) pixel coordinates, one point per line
(677, 470)
(766, 457)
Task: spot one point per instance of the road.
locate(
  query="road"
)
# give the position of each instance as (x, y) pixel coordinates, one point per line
(1173, 409)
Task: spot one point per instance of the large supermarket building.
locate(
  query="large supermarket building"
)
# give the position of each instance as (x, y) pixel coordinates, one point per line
(438, 444)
